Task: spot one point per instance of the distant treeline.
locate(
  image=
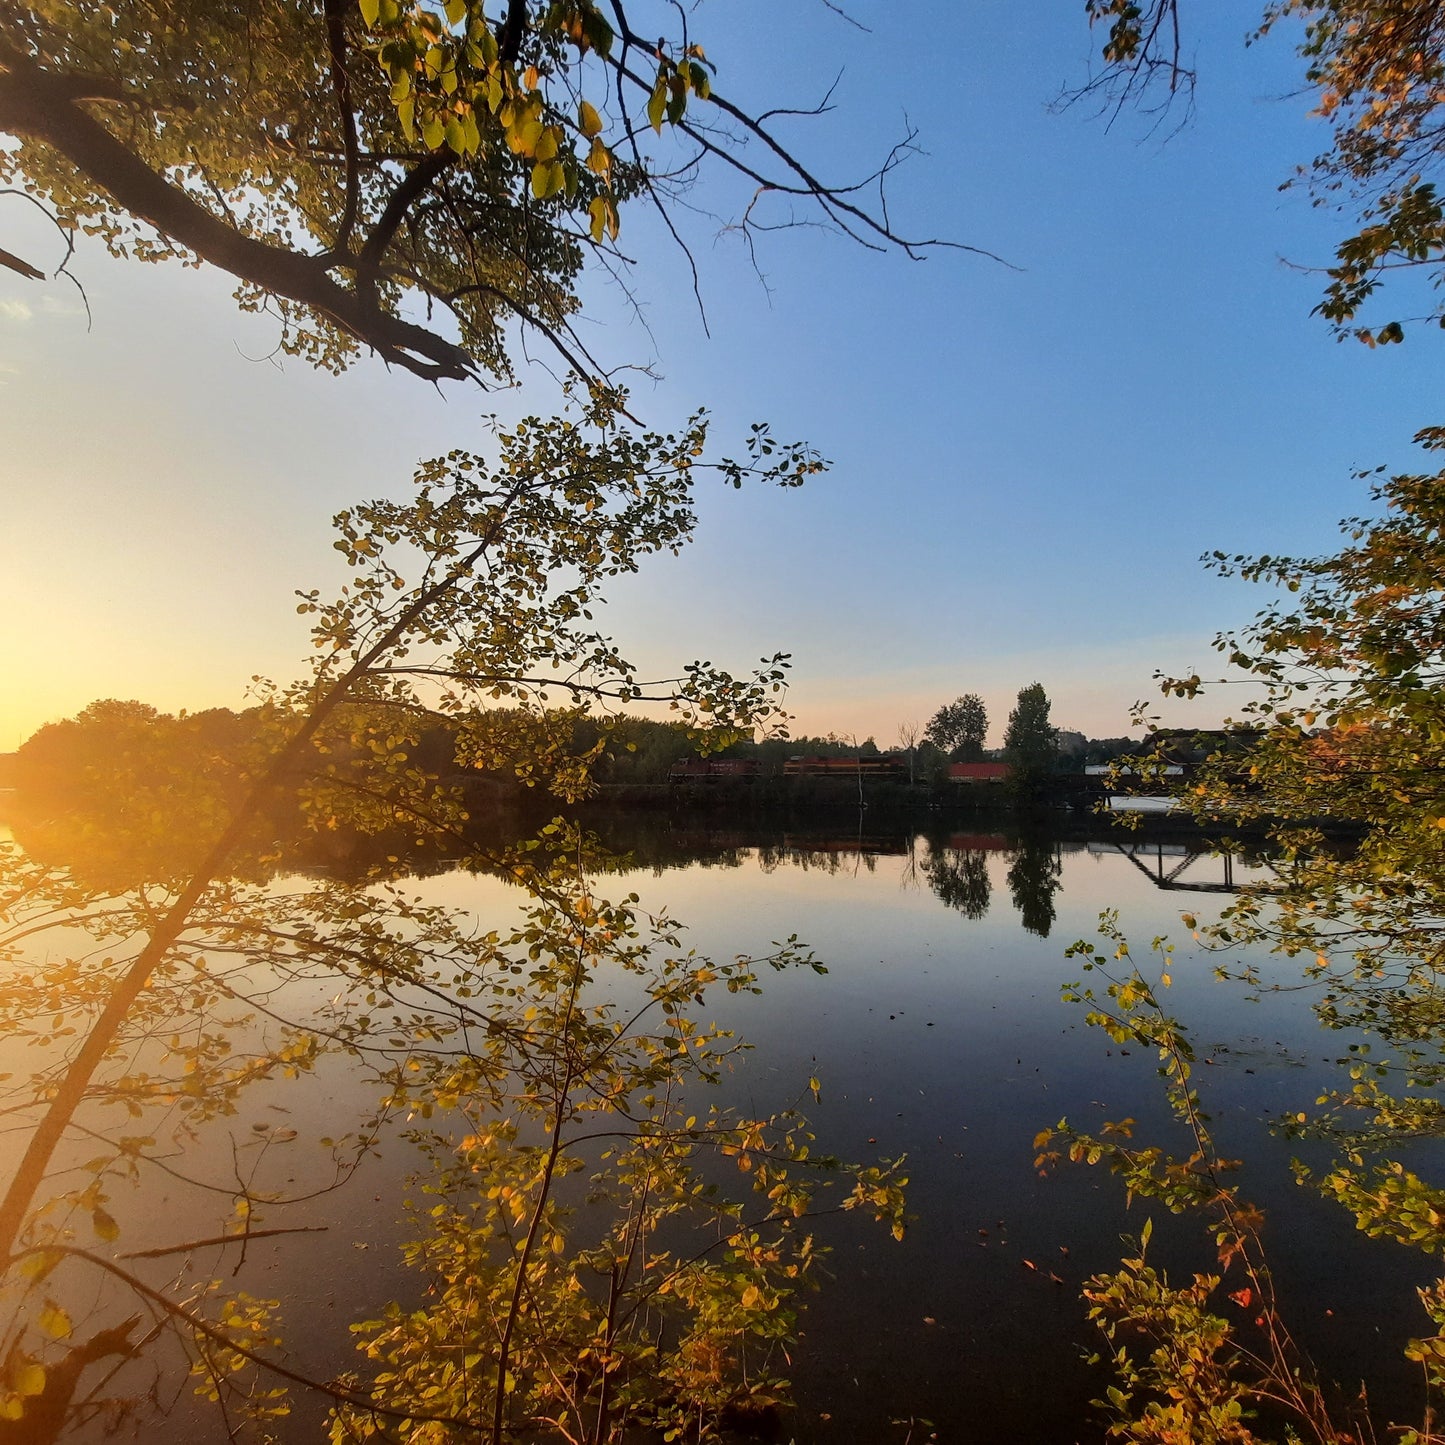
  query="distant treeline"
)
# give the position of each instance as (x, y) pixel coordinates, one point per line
(125, 751)
(122, 790)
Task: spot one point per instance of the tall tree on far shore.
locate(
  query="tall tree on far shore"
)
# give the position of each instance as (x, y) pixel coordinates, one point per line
(959, 728)
(1030, 742)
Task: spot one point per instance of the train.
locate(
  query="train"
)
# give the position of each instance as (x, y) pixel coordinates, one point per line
(703, 770)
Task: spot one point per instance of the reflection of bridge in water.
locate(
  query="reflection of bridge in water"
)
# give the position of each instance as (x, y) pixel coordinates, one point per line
(1166, 864)
(1174, 865)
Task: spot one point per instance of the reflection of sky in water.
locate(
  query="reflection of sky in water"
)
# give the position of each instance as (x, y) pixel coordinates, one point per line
(937, 1035)
(944, 1037)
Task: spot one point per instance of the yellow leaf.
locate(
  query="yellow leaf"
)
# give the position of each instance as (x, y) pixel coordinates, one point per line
(547, 178)
(28, 1378)
(55, 1322)
(104, 1225)
(36, 1266)
(588, 119)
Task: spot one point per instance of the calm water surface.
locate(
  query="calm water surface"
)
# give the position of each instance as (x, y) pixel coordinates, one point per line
(938, 1032)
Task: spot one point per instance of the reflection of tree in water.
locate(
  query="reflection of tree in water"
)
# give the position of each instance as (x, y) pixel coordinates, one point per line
(959, 876)
(1033, 879)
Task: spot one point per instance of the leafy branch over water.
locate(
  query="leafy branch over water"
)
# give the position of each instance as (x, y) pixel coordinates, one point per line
(575, 1041)
(1184, 1372)
(1338, 760)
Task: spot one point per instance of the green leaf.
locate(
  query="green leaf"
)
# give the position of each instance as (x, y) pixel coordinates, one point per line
(370, 9)
(597, 32)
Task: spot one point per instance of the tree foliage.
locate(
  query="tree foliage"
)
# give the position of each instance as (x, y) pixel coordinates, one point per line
(1030, 742)
(381, 174)
(1376, 69)
(960, 727)
(1347, 729)
(586, 1322)
(149, 1012)
(1186, 1370)
(1347, 736)
(1338, 760)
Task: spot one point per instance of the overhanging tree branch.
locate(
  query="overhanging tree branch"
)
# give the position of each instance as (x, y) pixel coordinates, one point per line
(464, 152)
(38, 105)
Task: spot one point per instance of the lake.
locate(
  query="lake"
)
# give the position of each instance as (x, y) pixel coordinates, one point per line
(937, 1032)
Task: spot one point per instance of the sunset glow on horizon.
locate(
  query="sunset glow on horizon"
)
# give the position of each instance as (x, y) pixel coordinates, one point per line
(1026, 463)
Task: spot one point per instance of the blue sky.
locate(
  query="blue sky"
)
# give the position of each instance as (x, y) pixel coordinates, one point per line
(1027, 462)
